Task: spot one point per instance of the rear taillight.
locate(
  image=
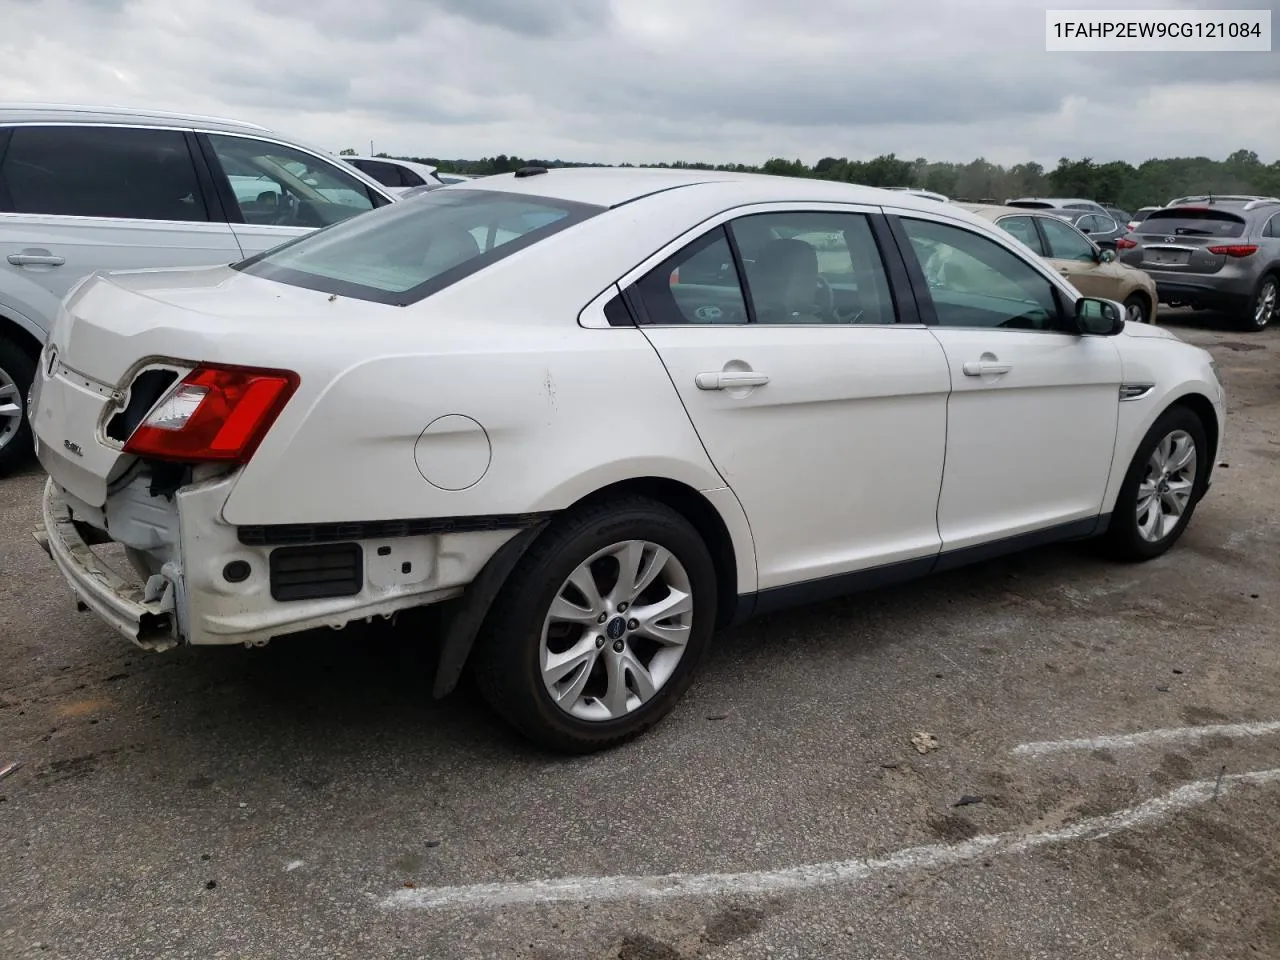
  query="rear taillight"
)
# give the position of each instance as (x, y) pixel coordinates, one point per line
(1124, 243)
(1235, 249)
(215, 414)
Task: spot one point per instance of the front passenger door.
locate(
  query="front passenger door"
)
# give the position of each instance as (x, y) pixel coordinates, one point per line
(1031, 420)
(1077, 259)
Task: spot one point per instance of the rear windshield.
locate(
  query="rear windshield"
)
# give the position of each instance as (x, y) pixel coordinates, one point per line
(1183, 222)
(406, 251)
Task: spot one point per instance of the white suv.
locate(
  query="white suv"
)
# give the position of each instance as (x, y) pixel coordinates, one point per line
(84, 189)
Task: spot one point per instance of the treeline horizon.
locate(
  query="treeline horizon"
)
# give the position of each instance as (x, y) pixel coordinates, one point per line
(1151, 183)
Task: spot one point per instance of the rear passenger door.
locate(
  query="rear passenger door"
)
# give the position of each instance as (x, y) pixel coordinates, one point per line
(273, 192)
(75, 199)
(815, 390)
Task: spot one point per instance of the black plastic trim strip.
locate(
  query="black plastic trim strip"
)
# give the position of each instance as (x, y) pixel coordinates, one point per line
(907, 309)
(221, 184)
(828, 588)
(290, 534)
(207, 180)
(915, 273)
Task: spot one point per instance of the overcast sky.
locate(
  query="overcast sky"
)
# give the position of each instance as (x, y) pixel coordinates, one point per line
(649, 80)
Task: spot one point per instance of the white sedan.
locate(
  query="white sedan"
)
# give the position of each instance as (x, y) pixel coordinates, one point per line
(596, 414)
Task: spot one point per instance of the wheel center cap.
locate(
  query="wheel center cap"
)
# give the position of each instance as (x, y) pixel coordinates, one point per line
(616, 628)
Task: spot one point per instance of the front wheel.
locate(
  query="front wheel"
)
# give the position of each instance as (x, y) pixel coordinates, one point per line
(599, 630)
(1161, 489)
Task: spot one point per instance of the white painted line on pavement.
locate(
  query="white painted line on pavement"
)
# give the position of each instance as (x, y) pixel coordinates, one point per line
(767, 882)
(1148, 738)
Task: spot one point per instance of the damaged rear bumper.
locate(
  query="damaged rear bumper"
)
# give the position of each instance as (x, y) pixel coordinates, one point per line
(149, 622)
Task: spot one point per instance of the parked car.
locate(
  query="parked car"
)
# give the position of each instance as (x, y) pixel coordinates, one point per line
(917, 192)
(396, 175)
(1222, 255)
(1091, 270)
(1214, 198)
(517, 411)
(1118, 214)
(447, 178)
(1101, 228)
(1139, 215)
(104, 188)
(1056, 203)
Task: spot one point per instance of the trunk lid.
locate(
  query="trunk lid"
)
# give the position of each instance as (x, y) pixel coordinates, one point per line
(121, 340)
(1178, 240)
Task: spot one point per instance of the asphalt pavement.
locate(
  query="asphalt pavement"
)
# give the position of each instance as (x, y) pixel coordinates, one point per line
(1098, 771)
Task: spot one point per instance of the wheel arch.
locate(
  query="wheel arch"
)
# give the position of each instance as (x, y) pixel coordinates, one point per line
(464, 618)
(20, 334)
(702, 515)
(1207, 414)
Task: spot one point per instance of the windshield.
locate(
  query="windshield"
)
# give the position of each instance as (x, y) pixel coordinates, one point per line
(404, 252)
(1188, 222)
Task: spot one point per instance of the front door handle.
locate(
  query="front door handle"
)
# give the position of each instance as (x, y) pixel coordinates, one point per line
(729, 380)
(1065, 271)
(986, 368)
(44, 259)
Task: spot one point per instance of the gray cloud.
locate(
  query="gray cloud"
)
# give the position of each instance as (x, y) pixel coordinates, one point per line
(646, 80)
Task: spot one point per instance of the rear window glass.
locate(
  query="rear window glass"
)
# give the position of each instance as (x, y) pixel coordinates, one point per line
(401, 253)
(1194, 223)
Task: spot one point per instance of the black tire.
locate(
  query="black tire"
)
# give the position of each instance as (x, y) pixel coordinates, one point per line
(1136, 300)
(1123, 541)
(506, 660)
(1257, 316)
(18, 368)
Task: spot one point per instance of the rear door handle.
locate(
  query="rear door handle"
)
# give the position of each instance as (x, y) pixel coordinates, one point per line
(45, 259)
(1065, 271)
(722, 380)
(986, 368)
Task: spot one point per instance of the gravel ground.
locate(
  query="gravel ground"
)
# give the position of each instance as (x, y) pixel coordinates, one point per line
(310, 800)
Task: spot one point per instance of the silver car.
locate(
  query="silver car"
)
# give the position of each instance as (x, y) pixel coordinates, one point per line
(84, 189)
(1223, 254)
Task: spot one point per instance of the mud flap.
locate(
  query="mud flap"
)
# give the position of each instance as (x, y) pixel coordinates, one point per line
(465, 616)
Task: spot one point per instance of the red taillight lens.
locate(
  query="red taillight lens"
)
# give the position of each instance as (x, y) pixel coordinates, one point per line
(1235, 249)
(215, 414)
(1124, 243)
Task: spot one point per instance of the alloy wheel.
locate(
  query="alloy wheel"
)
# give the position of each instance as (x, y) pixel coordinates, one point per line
(616, 630)
(1134, 313)
(11, 408)
(1165, 491)
(1264, 310)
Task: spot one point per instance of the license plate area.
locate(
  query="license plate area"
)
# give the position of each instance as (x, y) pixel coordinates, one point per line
(1168, 257)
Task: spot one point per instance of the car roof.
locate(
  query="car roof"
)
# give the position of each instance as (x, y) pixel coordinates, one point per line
(85, 113)
(996, 211)
(614, 186)
(1056, 201)
(400, 160)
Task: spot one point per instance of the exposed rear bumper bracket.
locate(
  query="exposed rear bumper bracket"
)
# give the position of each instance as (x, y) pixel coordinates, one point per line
(149, 624)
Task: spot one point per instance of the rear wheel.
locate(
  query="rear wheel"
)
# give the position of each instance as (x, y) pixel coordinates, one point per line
(1262, 308)
(1161, 489)
(601, 626)
(17, 370)
(1136, 309)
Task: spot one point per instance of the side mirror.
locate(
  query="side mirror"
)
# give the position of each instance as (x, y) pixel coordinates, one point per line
(1106, 256)
(1099, 318)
